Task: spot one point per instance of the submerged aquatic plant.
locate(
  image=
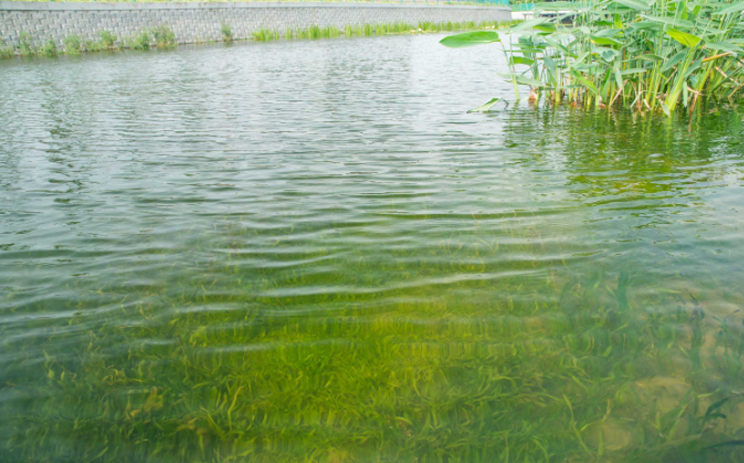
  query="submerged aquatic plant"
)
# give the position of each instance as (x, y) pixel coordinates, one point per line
(656, 55)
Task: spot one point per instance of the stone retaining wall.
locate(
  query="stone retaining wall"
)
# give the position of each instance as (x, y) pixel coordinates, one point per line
(200, 22)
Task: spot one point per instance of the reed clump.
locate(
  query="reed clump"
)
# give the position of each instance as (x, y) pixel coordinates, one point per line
(651, 56)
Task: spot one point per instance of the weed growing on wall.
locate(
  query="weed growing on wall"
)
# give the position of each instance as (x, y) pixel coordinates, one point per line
(73, 45)
(227, 33)
(93, 46)
(49, 49)
(264, 35)
(108, 40)
(6, 51)
(25, 45)
(164, 37)
(141, 41)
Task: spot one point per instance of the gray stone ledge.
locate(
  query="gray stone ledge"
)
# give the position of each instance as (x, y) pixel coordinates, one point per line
(174, 6)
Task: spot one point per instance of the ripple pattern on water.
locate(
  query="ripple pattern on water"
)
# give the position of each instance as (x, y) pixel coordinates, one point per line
(309, 251)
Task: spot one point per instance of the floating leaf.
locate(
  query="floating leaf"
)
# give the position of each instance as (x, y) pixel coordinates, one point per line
(469, 39)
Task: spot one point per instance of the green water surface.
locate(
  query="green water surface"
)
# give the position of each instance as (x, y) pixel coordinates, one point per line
(309, 252)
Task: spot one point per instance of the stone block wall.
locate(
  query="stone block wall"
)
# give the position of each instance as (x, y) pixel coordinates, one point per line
(201, 22)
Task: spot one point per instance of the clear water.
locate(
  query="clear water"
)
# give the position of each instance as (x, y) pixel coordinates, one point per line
(308, 251)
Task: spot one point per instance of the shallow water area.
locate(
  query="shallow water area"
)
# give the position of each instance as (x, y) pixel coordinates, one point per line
(309, 251)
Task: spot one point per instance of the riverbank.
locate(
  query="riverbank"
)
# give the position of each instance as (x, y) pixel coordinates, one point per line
(50, 27)
(164, 37)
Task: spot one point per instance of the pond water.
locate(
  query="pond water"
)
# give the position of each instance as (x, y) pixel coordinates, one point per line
(309, 251)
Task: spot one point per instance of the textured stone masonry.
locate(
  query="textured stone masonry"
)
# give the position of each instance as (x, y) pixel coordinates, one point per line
(200, 22)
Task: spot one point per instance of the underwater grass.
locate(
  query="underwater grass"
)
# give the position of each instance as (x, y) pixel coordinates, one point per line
(402, 383)
(655, 56)
(219, 359)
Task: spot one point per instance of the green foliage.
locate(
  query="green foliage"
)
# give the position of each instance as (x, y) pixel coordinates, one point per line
(654, 56)
(73, 45)
(264, 35)
(313, 32)
(49, 49)
(141, 41)
(6, 51)
(108, 40)
(25, 44)
(164, 37)
(469, 39)
(316, 32)
(227, 33)
(94, 45)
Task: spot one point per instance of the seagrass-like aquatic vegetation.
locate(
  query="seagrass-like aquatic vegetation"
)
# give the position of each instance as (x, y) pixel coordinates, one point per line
(473, 330)
(656, 55)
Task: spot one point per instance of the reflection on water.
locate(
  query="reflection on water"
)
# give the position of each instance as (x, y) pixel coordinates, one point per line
(308, 252)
